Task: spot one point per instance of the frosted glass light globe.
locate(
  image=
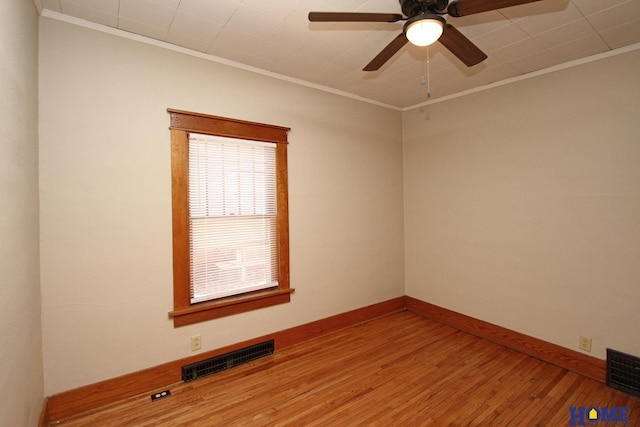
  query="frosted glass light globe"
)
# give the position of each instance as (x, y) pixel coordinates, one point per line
(424, 30)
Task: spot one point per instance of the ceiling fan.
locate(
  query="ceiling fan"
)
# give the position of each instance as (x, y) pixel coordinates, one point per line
(424, 25)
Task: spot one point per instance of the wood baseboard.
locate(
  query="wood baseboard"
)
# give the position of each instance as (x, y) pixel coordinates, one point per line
(95, 395)
(44, 414)
(560, 356)
(92, 396)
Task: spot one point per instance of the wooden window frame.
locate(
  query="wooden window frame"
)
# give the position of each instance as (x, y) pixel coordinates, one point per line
(183, 123)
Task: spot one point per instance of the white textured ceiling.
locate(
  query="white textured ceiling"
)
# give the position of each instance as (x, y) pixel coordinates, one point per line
(276, 36)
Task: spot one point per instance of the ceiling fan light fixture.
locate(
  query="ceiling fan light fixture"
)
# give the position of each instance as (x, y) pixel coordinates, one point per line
(425, 29)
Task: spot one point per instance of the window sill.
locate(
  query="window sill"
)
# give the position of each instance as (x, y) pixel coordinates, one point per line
(228, 306)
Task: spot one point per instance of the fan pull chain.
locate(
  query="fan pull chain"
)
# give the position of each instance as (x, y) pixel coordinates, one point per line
(428, 77)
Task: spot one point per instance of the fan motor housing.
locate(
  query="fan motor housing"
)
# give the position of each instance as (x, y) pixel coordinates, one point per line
(413, 8)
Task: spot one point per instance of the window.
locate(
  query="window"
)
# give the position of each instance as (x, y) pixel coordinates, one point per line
(230, 216)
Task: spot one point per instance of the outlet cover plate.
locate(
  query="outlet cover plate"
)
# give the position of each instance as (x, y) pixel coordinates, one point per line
(585, 344)
(160, 395)
(196, 342)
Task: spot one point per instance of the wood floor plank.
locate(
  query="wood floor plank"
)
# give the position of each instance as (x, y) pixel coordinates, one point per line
(398, 370)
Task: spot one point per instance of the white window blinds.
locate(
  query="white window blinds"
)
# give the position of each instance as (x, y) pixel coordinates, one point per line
(232, 216)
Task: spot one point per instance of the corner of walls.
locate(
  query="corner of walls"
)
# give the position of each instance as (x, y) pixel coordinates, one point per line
(20, 324)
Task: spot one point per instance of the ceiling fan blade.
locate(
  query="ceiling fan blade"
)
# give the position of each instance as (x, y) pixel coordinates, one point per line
(354, 17)
(469, 7)
(386, 53)
(461, 47)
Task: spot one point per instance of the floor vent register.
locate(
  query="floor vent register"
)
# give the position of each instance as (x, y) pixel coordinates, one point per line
(225, 361)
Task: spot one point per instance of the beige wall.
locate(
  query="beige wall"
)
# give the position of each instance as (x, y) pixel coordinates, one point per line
(21, 377)
(522, 204)
(106, 212)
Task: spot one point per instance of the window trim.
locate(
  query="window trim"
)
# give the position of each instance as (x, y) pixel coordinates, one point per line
(182, 123)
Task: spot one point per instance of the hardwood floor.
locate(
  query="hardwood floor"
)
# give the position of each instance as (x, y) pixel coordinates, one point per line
(401, 369)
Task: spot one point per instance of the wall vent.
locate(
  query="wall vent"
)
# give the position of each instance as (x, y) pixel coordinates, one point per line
(225, 361)
(623, 372)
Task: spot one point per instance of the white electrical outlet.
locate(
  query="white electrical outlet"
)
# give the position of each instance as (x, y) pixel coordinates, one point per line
(196, 342)
(585, 344)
